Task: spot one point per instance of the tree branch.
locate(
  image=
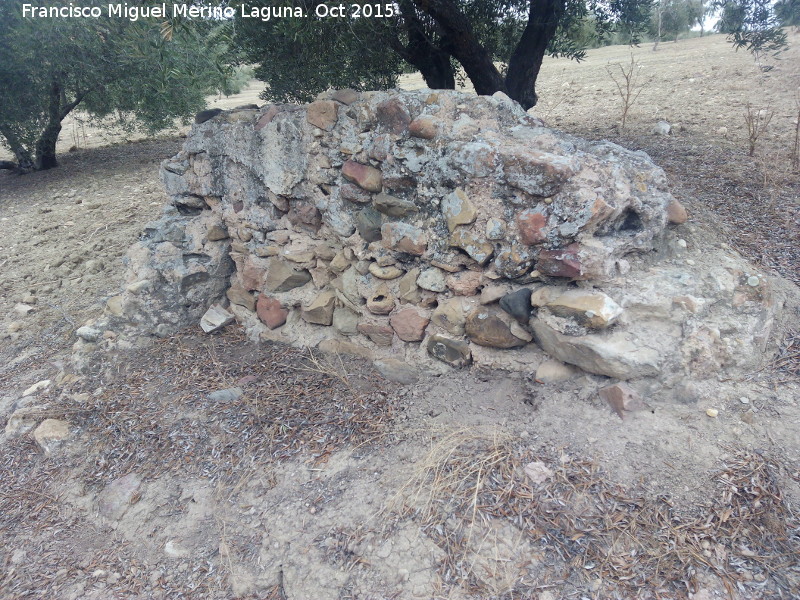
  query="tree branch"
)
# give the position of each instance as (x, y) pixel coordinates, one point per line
(68, 108)
(459, 40)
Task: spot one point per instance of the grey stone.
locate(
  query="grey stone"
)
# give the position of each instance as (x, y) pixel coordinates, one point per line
(227, 395)
(476, 247)
(518, 304)
(458, 210)
(662, 128)
(495, 229)
(282, 277)
(453, 352)
(88, 334)
(215, 318)
(117, 496)
(612, 355)
(345, 321)
(432, 279)
(368, 224)
(397, 370)
(393, 207)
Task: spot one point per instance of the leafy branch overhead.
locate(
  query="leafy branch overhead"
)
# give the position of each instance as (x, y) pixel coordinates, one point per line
(498, 45)
(751, 24)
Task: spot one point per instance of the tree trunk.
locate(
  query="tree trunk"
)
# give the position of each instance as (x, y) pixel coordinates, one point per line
(433, 63)
(460, 42)
(25, 162)
(437, 71)
(526, 61)
(46, 147)
(702, 18)
(659, 16)
(46, 144)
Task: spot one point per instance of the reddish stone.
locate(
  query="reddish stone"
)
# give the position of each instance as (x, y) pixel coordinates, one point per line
(622, 398)
(399, 183)
(270, 311)
(532, 227)
(423, 127)
(465, 283)
(537, 173)
(601, 210)
(323, 114)
(253, 273)
(409, 324)
(266, 118)
(564, 262)
(353, 193)
(380, 334)
(303, 214)
(676, 213)
(369, 178)
(393, 116)
(404, 238)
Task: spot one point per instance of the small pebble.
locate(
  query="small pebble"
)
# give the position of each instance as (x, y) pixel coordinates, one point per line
(753, 281)
(744, 400)
(682, 243)
(712, 412)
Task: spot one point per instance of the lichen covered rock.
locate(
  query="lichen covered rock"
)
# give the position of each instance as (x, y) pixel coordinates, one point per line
(440, 227)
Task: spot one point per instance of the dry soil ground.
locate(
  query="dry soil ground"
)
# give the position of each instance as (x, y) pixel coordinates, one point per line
(324, 481)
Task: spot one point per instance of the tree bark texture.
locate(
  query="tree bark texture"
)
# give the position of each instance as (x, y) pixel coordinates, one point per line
(457, 39)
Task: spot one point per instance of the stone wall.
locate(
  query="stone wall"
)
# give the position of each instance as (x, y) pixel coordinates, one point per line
(439, 229)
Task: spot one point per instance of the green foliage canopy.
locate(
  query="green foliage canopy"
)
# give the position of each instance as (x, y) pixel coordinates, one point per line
(443, 39)
(751, 24)
(111, 67)
(788, 13)
(677, 17)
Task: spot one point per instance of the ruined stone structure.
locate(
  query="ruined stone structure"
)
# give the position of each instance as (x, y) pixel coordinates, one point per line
(439, 229)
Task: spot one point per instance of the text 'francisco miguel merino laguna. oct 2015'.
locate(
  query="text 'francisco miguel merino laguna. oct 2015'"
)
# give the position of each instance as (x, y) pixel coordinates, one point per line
(134, 12)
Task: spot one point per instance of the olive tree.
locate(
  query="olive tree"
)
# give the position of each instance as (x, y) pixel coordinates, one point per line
(109, 67)
(498, 44)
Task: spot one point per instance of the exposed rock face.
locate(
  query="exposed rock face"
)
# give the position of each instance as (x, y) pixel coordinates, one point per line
(394, 223)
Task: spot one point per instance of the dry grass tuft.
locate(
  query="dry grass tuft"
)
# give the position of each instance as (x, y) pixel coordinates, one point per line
(504, 536)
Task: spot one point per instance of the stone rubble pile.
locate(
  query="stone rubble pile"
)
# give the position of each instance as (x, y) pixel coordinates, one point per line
(438, 229)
